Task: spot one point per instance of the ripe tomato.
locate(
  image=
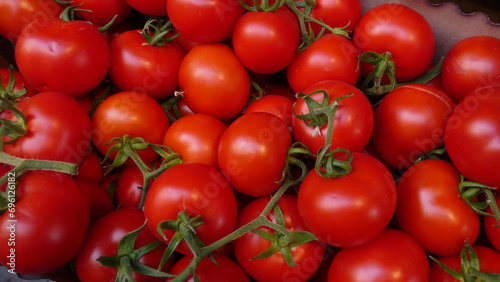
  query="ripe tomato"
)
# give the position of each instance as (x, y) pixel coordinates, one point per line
(353, 123)
(409, 122)
(139, 66)
(132, 113)
(490, 226)
(102, 12)
(47, 226)
(278, 105)
(349, 210)
(336, 14)
(430, 209)
(410, 36)
(471, 63)
(266, 42)
(58, 129)
(214, 81)
(100, 202)
(307, 256)
(472, 136)
(253, 152)
(150, 7)
(55, 55)
(332, 57)
(198, 189)
(91, 168)
(196, 138)
(391, 256)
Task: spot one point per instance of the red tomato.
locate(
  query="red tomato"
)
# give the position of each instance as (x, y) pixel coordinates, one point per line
(409, 122)
(52, 118)
(490, 226)
(128, 189)
(278, 105)
(336, 14)
(307, 256)
(391, 256)
(349, 210)
(91, 168)
(266, 42)
(430, 209)
(198, 189)
(471, 63)
(253, 152)
(132, 113)
(332, 57)
(472, 136)
(353, 123)
(102, 12)
(204, 21)
(214, 81)
(102, 240)
(196, 138)
(55, 55)
(139, 66)
(47, 225)
(410, 36)
(150, 7)
(99, 200)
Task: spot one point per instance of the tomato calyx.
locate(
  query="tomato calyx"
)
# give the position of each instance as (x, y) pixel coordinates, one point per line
(383, 65)
(469, 191)
(127, 258)
(70, 11)
(263, 6)
(328, 165)
(301, 150)
(155, 31)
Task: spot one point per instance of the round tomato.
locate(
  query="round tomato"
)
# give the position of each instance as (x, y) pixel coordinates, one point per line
(491, 228)
(278, 105)
(47, 224)
(19, 84)
(471, 63)
(349, 210)
(102, 12)
(332, 57)
(409, 122)
(430, 209)
(129, 186)
(336, 14)
(391, 256)
(55, 55)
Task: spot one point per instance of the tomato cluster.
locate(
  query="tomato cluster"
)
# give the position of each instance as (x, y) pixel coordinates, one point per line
(232, 140)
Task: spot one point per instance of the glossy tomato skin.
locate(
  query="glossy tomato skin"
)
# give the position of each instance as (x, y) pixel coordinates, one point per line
(226, 270)
(430, 209)
(471, 63)
(198, 189)
(51, 217)
(102, 240)
(55, 55)
(253, 151)
(266, 42)
(102, 12)
(214, 81)
(139, 66)
(336, 14)
(409, 122)
(205, 21)
(196, 138)
(411, 39)
(472, 136)
(91, 168)
(489, 261)
(100, 202)
(128, 192)
(392, 256)
(132, 113)
(150, 8)
(332, 57)
(278, 105)
(58, 129)
(349, 210)
(490, 225)
(353, 123)
(307, 256)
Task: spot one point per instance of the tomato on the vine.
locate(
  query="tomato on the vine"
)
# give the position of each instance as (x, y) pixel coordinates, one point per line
(336, 14)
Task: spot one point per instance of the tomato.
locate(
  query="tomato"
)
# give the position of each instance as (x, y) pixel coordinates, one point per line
(278, 105)
(336, 14)
(307, 256)
(489, 261)
(472, 136)
(214, 81)
(132, 113)
(471, 63)
(100, 202)
(204, 21)
(430, 209)
(198, 189)
(52, 118)
(91, 168)
(102, 12)
(150, 8)
(266, 42)
(490, 226)
(253, 152)
(55, 55)
(353, 123)
(129, 186)
(410, 35)
(47, 225)
(332, 57)
(196, 138)
(16, 15)
(19, 84)
(391, 256)
(409, 122)
(350, 210)
(102, 240)
(139, 66)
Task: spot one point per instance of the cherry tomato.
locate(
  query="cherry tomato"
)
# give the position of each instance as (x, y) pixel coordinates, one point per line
(102, 12)
(336, 14)
(100, 202)
(278, 105)
(91, 168)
